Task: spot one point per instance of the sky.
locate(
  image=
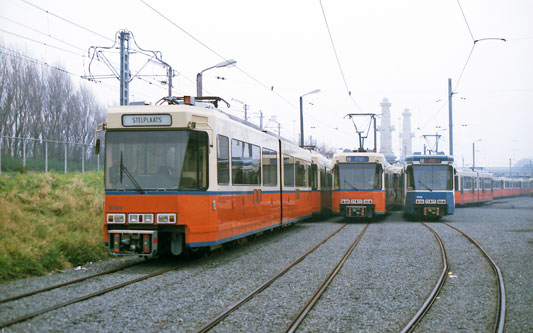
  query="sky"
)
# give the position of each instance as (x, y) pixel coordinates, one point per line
(402, 50)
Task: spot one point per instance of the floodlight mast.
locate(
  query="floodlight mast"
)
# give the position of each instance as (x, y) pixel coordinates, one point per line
(360, 133)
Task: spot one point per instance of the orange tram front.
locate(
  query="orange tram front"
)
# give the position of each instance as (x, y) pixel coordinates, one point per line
(359, 184)
(185, 176)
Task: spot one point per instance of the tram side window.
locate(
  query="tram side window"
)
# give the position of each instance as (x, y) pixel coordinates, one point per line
(467, 183)
(223, 160)
(301, 173)
(245, 163)
(288, 170)
(487, 185)
(270, 167)
(313, 176)
(329, 179)
(377, 178)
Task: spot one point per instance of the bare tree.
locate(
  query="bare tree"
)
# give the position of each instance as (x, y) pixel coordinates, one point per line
(42, 102)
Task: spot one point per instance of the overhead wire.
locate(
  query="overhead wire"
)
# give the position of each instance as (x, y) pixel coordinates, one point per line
(268, 87)
(66, 20)
(42, 33)
(39, 42)
(337, 57)
(464, 66)
(466, 21)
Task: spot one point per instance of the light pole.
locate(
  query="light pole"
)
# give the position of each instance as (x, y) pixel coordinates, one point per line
(245, 108)
(302, 115)
(226, 63)
(474, 154)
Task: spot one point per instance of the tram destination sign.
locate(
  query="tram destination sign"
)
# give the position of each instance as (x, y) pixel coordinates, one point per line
(137, 120)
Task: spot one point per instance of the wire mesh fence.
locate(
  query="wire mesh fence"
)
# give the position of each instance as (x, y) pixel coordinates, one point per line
(28, 154)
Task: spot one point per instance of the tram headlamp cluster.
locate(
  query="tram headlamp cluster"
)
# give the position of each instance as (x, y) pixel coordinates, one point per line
(431, 201)
(419, 201)
(166, 218)
(141, 218)
(356, 201)
(116, 218)
(441, 202)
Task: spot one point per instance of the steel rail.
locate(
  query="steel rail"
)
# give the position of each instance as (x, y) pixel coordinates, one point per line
(83, 298)
(325, 284)
(500, 312)
(433, 295)
(59, 285)
(213, 322)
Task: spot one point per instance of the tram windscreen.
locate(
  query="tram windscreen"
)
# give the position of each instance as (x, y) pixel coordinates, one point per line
(430, 177)
(358, 176)
(156, 160)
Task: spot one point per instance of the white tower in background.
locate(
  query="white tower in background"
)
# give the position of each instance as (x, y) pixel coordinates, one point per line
(386, 131)
(407, 143)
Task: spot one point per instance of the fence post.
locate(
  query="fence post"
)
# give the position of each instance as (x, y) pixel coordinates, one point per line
(23, 155)
(65, 157)
(98, 163)
(82, 159)
(46, 156)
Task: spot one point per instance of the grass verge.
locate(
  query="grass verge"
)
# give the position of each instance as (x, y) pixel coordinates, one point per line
(49, 222)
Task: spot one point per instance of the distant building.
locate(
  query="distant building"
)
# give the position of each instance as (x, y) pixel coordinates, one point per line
(407, 135)
(386, 132)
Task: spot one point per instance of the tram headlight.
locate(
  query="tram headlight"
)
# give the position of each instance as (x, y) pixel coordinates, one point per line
(367, 201)
(345, 201)
(116, 218)
(420, 201)
(441, 202)
(166, 218)
(141, 218)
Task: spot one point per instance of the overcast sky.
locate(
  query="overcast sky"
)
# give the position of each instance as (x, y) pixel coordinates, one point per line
(404, 50)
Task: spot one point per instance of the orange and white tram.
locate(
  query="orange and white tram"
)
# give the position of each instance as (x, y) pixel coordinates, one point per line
(187, 176)
(321, 181)
(359, 184)
(473, 187)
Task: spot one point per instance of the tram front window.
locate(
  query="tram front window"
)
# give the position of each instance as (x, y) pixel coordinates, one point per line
(430, 177)
(358, 176)
(156, 160)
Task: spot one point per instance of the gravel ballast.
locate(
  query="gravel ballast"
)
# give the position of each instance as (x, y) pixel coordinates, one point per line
(380, 287)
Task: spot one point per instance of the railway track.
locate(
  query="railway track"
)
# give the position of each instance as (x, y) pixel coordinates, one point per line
(303, 313)
(221, 316)
(438, 286)
(500, 313)
(81, 298)
(499, 322)
(59, 285)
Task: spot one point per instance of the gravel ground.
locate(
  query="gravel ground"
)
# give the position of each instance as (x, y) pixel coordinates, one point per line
(182, 299)
(468, 299)
(380, 287)
(504, 229)
(383, 283)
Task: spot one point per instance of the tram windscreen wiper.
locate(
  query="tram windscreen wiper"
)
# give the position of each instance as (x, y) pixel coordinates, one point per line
(427, 187)
(125, 170)
(353, 187)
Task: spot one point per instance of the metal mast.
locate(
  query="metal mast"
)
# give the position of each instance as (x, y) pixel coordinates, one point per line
(124, 67)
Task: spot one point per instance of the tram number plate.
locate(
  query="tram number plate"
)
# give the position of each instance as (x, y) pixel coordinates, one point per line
(356, 211)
